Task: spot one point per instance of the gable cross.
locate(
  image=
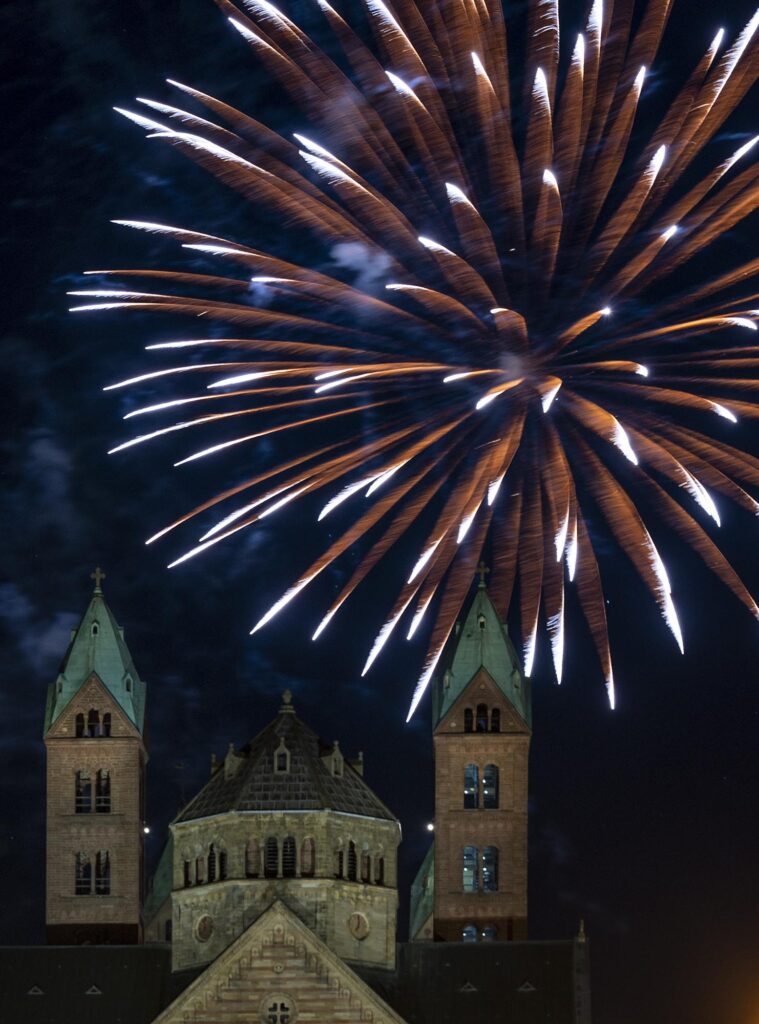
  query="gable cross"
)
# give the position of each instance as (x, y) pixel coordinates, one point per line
(482, 571)
(97, 576)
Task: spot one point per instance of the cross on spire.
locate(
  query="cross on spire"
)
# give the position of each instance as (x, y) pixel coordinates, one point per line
(97, 576)
(482, 571)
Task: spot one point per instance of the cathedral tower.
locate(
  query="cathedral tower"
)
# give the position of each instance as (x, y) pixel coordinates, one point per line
(96, 756)
(473, 883)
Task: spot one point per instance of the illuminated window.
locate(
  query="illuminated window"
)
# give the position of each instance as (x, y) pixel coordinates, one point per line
(490, 869)
(471, 786)
(470, 873)
(489, 933)
(469, 933)
(83, 797)
(490, 787)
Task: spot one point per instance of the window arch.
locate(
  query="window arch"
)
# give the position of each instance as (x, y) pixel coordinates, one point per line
(103, 873)
(308, 858)
(366, 866)
(95, 628)
(470, 877)
(489, 933)
(482, 718)
(271, 858)
(83, 879)
(352, 863)
(103, 792)
(288, 857)
(187, 874)
(128, 684)
(222, 865)
(495, 720)
(252, 858)
(468, 720)
(490, 869)
(339, 861)
(106, 724)
(490, 787)
(83, 793)
(469, 933)
(379, 870)
(93, 723)
(80, 725)
(471, 786)
(211, 863)
(200, 871)
(281, 759)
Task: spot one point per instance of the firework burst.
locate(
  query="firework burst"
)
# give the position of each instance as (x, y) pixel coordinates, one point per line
(509, 338)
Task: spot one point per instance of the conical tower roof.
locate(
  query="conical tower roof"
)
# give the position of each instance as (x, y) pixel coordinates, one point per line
(97, 647)
(247, 780)
(482, 642)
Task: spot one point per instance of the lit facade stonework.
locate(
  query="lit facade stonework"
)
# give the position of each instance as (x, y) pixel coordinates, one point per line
(96, 761)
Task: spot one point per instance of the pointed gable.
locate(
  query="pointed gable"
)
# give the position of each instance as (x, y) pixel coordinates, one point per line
(482, 642)
(97, 647)
(278, 967)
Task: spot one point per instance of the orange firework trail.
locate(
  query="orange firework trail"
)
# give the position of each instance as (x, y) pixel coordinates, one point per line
(509, 339)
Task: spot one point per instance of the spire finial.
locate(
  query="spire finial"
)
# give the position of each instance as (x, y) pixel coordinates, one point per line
(287, 702)
(97, 576)
(581, 937)
(482, 571)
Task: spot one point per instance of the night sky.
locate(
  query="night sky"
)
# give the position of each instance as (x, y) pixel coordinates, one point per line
(642, 820)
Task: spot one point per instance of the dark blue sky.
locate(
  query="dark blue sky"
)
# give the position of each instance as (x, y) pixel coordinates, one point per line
(643, 820)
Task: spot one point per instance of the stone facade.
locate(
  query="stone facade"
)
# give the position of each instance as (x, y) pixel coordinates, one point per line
(99, 915)
(356, 919)
(503, 827)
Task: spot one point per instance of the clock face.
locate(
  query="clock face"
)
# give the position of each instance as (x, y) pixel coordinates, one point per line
(358, 925)
(204, 928)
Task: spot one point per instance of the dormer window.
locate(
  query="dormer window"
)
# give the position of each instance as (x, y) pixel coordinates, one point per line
(281, 759)
(95, 629)
(128, 684)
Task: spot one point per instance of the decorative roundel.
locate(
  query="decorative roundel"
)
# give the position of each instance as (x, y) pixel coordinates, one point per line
(204, 928)
(278, 1008)
(358, 925)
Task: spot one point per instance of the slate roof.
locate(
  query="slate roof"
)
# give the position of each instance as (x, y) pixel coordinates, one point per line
(482, 642)
(434, 983)
(308, 785)
(103, 652)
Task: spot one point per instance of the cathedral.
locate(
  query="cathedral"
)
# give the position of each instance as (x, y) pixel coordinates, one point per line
(276, 896)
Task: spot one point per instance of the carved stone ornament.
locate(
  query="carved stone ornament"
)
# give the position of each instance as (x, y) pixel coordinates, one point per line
(358, 925)
(278, 1008)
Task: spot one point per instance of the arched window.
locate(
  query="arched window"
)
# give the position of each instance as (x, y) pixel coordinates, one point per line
(281, 759)
(469, 933)
(211, 863)
(187, 877)
(103, 792)
(222, 865)
(103, 873)
(200, 871)
(339, 862)
(379, 871)
(83, 798)
(129, 684)
(271, 858)
(308, 858)
(288, 857)
(482, 718)
(495, 720)
(490, 787)
(471, 786)
(470, 872)
(94, 629)
(366, 866)
(489, 933)
(468, 720)
(352, 865)
(490, 869)
(80, 724)
(83, 882)
(252, 859)
(107, 724)
(93, 723)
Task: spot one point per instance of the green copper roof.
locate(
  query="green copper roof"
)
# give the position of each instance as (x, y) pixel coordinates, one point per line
(97, 645)
(422, 893)
(481, 642)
